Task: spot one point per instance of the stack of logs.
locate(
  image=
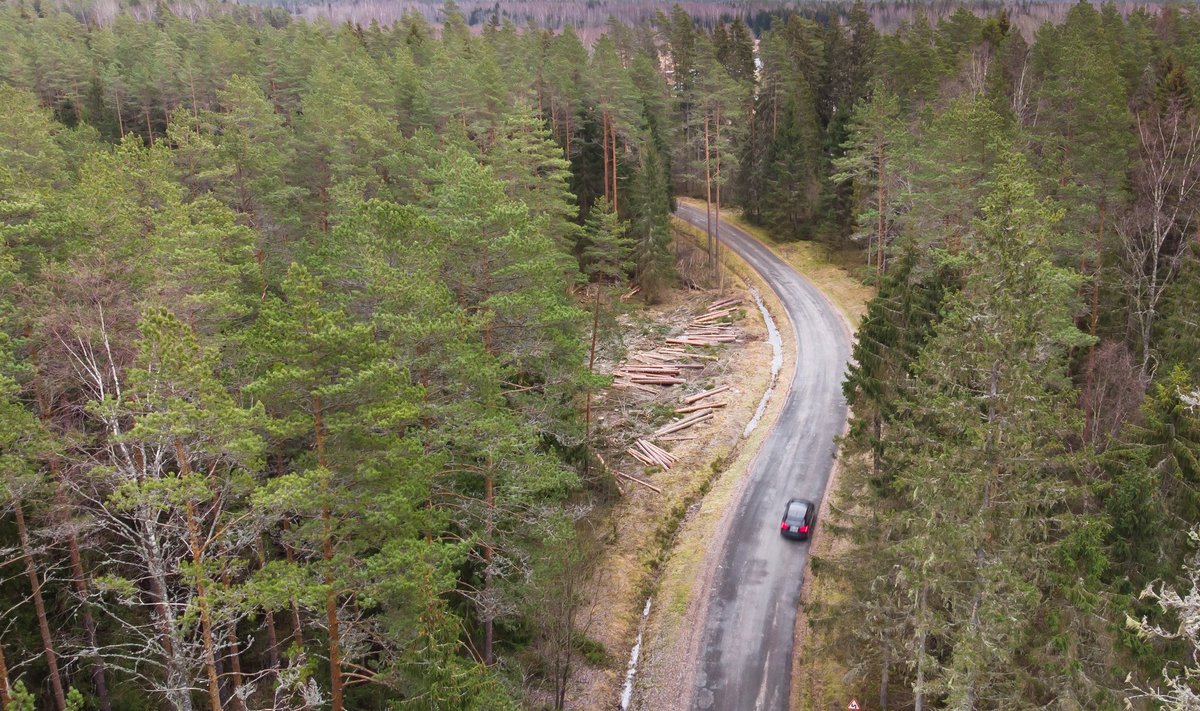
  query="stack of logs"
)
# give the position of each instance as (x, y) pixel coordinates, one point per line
(693, 414)
(665, 367)
(708, 329)
(661, 366)
(651, 456)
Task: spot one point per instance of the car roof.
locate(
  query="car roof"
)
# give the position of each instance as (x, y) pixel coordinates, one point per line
(802, 504)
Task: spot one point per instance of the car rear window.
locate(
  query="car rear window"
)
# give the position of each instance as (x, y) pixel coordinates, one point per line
(796, 512)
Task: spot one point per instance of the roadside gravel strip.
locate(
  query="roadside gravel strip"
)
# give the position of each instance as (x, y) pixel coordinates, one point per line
(746, 655)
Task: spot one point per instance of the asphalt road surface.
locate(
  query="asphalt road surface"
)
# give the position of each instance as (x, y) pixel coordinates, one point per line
(746, 649)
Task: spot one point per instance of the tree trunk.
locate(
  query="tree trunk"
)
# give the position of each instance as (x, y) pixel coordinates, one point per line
(881, 169)
(331, 618)
(149, 125)
(884, 672)
(717, 211)
(922, 635)
(1094, 322)
(39, 606)
(612, 131)
(5, 694)
(297, 629)
(99, 681)
(604, 150)
(587, 406)
(78, 577)
(120, 119)
(235, 655)
(202, 603)
(774, 111)
(272, 637)
(488, 622)
(708, 189)
(567, 131)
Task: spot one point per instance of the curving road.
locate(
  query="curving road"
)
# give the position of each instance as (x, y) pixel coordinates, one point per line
(746, 649)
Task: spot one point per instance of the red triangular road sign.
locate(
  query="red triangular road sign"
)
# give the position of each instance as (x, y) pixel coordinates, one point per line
(853, 705)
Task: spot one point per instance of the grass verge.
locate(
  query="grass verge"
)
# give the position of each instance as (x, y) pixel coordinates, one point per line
(838, 274)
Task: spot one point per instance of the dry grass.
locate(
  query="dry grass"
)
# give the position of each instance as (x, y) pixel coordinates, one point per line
(837, 274)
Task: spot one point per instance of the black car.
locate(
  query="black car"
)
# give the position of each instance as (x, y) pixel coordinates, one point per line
(798, 518)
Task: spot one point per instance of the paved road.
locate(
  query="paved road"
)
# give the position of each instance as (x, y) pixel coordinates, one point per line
(746, 657)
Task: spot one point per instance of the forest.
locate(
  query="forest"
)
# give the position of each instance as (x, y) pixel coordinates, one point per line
(299, 322)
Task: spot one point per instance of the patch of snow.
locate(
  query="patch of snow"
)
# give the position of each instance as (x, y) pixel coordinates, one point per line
(776, 342)
(627, 692)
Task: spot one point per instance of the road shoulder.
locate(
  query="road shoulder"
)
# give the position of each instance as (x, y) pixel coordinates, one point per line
(673, 636)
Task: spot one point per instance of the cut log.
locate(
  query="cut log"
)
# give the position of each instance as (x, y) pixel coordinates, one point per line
(676, 438)
(636, 480)
(641, 457)
(724, 303)
(702, 406)
(656, 455)
(659, 452)
(700, 396)
(684, 423)
(634, 386)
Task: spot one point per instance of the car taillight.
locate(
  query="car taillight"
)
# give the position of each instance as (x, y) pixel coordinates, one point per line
(783, 526)
(804, 529)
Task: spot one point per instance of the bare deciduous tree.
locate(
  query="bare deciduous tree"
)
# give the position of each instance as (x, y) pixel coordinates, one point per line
(1155, 232)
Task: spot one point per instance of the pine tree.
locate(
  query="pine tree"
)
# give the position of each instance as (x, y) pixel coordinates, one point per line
(870, 160)
(650, 227)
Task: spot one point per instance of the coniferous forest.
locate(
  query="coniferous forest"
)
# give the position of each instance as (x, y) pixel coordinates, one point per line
(298, 332)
